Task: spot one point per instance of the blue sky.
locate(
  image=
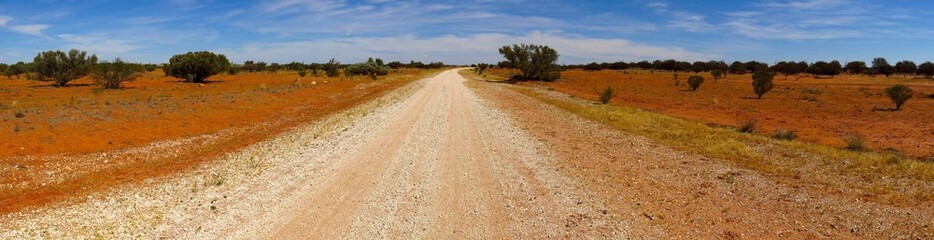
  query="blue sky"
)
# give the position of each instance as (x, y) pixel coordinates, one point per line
(471, 31)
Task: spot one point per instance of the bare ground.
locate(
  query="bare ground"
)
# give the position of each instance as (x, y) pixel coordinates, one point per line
(430, 161)
(441, 160)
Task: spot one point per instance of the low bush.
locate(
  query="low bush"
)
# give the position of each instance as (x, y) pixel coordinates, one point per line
(366, 69)
(761, 83)
(748, 126)
(695, 82)
(111, 75)
(899, 94)
(716, 74)
(332, 68)
(854, 142)
(607, 95)
(784, 134)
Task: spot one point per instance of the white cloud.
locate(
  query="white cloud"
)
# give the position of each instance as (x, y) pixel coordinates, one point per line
(98, 44)
(806, 4)
(814, 20)
(29, 29)
(32, 29)
(691, 22)
(456, 49)
(4, 19)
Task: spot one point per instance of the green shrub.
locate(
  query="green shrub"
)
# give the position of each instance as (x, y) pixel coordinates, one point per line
(748, 126)
(607, 95)
(533, 61)
(332, 68)
(695, 82)
(761, 83)
(15, 70)
(784, 134)
(60, 68)
(716, 74)
(196, 66)
(899, 94)
(854, 142)
(111, 75)
(151, 67)
(366, 69)
(302, 73)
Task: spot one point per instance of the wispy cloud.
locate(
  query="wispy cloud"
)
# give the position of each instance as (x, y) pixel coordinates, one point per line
(28, 29)
(810, 19)
(99, 44)
(469, 49)
(691, 22)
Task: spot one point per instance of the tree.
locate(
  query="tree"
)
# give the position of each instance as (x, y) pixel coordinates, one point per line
(881, 66)
(15, 70)
(899, 94)
(737, 67)
(754, 66)
(832, 68)
(592, 67)
(4, 67)
(695, 82)
(790, 68)
(856, 67)
(926, 69)
(906, 67)
(60, 68)
(698, 67)
(761, 83)
(369, 68)
(534, 61)
(111, 75)
(716, 74)
(332, 68)
(196, 66)
(816, 68)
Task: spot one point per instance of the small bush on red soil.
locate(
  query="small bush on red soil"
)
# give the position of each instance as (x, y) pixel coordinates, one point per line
(695, 82)
(761, 83)
(748, 126)
(784, 134)
(111, 75)
(899, 94)
(717, 74)
(854, 142)
(607, 95)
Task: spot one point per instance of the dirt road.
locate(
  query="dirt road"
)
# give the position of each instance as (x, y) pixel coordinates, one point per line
(443, 165)
(431, 161)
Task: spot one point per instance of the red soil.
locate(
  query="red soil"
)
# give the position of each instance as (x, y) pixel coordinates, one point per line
(46, 129)
(819, 110)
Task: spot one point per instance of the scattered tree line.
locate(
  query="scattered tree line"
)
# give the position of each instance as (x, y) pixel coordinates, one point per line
(60, 67)
(797, 69)
(259, 66)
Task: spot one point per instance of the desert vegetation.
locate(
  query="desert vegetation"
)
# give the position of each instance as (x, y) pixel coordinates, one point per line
(535, 62)
(111, 75)
(60, 68)
(196, 66)
(899, 94)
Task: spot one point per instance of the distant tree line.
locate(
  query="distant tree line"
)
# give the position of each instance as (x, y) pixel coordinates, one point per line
(259, 66)
(798, 69)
